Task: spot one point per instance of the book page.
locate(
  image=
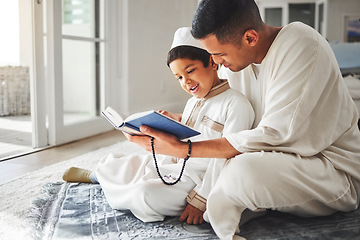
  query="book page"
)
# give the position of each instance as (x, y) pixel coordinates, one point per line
(113, 116)
(138, 115)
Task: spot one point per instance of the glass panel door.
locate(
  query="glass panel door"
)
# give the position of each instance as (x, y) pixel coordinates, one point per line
(81, 47)
(76, 53)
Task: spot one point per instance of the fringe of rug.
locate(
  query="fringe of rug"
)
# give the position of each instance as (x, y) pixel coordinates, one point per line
(45, 212)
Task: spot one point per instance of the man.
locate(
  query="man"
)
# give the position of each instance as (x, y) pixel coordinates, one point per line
(303, 154)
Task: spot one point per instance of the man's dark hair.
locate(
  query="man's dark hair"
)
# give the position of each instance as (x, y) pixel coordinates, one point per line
(189, 52)
(228, 20)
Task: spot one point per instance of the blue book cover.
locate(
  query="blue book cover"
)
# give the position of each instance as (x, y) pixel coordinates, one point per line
(152, 119)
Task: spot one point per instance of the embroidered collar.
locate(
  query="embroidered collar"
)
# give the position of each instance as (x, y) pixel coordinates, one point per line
(216, 90)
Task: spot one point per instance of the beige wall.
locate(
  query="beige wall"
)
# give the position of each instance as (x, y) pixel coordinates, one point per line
(337, 10)
(147, 29)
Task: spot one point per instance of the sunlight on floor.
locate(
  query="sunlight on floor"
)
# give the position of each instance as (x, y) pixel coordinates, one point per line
(13, 147)
(16, 133)
(15, 136)
(16, 123)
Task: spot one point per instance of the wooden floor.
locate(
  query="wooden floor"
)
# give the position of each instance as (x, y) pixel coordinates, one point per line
(19, 166)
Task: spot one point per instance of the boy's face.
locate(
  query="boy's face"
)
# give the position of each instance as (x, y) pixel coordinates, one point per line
(193, 77)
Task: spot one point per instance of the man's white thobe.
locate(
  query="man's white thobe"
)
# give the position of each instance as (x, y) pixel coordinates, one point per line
(303, 154)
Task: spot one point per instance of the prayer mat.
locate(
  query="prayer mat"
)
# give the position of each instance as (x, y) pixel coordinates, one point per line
(80, 211)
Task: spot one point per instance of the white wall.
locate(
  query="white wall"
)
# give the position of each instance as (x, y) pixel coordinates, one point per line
(146, 33)
(9, 26)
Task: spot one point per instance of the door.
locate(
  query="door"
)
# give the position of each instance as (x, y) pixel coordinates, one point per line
(77, 73)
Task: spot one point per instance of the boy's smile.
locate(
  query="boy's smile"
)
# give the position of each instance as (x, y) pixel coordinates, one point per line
(195, 89)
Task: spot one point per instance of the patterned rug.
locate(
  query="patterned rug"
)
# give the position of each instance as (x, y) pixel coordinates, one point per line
(80, 211)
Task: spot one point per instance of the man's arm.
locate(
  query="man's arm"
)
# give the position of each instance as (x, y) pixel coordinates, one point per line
(167, 144)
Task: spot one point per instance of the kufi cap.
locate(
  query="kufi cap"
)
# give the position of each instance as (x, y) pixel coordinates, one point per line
(183, 37)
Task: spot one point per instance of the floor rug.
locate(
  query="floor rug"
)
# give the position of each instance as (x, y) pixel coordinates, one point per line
(49, 197)
(80, 211)
(18, 195)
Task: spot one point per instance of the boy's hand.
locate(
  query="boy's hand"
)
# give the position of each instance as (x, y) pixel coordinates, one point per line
(192, 215)
(175, 116)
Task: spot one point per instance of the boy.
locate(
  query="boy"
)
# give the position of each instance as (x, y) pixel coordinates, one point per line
(131, 182)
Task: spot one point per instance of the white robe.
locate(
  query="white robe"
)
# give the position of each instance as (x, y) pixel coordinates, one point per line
(303, 154)
(131, 182)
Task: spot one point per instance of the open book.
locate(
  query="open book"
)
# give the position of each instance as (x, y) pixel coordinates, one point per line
(153, 119)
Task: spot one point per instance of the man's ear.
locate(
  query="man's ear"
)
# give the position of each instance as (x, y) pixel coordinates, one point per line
(251, 37)
(213, 64)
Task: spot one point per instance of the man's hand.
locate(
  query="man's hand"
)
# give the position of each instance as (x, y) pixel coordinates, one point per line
(164, 143)
(167, 144)
(192, 215)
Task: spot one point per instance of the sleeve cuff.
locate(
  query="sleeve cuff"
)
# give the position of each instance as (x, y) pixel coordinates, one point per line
(197, 201)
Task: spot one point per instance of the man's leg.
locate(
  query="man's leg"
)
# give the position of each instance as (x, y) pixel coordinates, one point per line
(284, 182)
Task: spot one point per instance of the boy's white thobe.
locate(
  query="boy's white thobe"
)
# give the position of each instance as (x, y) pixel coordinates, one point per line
(131, 182)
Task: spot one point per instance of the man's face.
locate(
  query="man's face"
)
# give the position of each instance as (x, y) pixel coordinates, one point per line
(230, 56)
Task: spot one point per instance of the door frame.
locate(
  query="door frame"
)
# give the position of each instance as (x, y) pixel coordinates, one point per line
(46, 76)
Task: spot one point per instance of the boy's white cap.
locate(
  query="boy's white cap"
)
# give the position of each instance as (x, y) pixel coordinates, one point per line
(183, 37)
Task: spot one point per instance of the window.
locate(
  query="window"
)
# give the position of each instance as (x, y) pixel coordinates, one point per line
(302, 12)
(77, 11)
(320, 26)
(273, 17)
(279, 13)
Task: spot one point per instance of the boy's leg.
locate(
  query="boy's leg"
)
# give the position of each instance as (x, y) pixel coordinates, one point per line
(155, 200)
(131, 182)
(285, 182)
